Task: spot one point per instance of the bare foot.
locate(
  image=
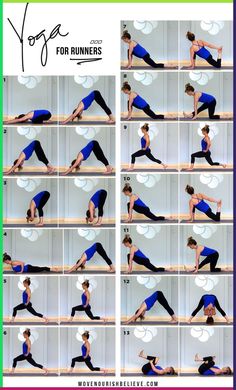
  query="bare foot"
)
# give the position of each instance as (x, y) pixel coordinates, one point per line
(45, 371)
(130, 169)
(165, 166)
(187, 115)
(224, 166)
(173, 321)
(105, 371)
(109, 170)
(189, 169)
(51, 170)
(54, 269)
(39, 224)
(70, 319)
(111, 269)
(46, 320)
(141, 353)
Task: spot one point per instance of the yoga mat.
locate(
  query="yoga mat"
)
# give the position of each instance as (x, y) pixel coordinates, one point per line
(209, 170)
(78, 323)
(146, 376)
(32, 273)
(85, 225)
(95, 373)
(149, 221)
(144, 323)
(204, 323)
(146, 118)
(145, 272)
(206, 119)
(148, 68)
(149, 170)
(91, 273)
(32, 124)
(32, 374)
(206, 273)
(30, 323)
(101, 174)
(206, 68)
(31, 174)
(94, 123)
(26, 225)
(206, 221)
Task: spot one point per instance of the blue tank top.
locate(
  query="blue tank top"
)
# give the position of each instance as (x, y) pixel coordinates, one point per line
(37, 198)
(83, 350)
(140, 254)
(207, 251)
(139, 202)
(203, 144)
(90, 251)
(203, 53)
(143, 143)
(38, 113)
(95, 198)
(84, 300)
(150, 301)
(17, 268)
(86, 151)
(139, 51)
(88, 100)
(209, 372)
(209, 298)
(24, 348)
(29, 150)
(140, 102)
(202, 206)
(206, 98)
(24, 297)
(151, 372)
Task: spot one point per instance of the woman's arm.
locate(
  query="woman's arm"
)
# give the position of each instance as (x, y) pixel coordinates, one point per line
(191, 211)
(70, 169)
(131, 256)
(156, 370)
(76, 266)
(131, 208)
(16, 165)
(135, 316)
(21, 263)
(209, 199)
(196, 98)
(72, 116)
(192, 59)
(18, 120)
(130, 56)
(130, 107)
(207, 44)
(197, 256)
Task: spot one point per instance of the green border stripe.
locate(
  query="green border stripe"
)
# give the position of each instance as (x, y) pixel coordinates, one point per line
(120, 1)
(1, 197)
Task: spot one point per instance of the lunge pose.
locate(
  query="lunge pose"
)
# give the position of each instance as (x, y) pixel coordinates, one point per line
(35, 116)
(209, 103)
(20, 267)
(208, 366)
(197, 201)
(83, 155)
(151, 368)
(85, 103)
(96, 201)
(210, 303)
(211, 256)
(38, 202)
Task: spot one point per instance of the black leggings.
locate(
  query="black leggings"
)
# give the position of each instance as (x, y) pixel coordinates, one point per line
(87, 311)
(211, 215)
(211, 109)
(145, 211)
(149, 61)
(212, 259)
(87, 361)
(215, 63)
(40, 153)
(146, 152)
(201, 304)
(147, 367)
(37, 269)
(101, 251)
(148, 111)
(42, 203)
(29, 359)
(41, 118)
(146, 263)
(163, 302)
(208, 363)
(28, 307)
(97, 150)
(99, 100)
(102, 200)
(206, 155)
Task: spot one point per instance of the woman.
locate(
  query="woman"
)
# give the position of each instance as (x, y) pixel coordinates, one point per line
(145, 149)
(205, 152)
(209, 103)
(92, 146)
(198, 49)
(151, 368)
(20, 267)
(34, 146)
(85, 297)
(85, 357)
(197, 201)
(148, 303)
(27, 355)
(138, 205)
(35, 116)
(210, 304)
(26, 304)
(88, 254)
(38, 202)
(138, 257)
(85, 103)
(211, 256)
(96, 201)
(208, 366)
(137, 101)
(135, 49)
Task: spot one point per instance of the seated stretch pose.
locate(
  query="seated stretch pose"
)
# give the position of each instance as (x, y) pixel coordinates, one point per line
(26, 304)
(27, 355)
(149, 302)
(85, 357)
(205, 152)
(36, 116)
(208, 366)
(34, 146)
(83, 155)
(137, 101)
(211, 256)
(197, 201)
(145, 149)
(38, 202)
(138, 257)
(137, 205)
(151, 368)
(85, 306)
(88, 254)
(96, 201)
(210, 304)
(209, 103)
(20, 267)
(198, 49)
(85, 103)
(135, 49)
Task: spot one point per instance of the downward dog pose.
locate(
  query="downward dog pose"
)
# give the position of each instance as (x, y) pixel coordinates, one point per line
(85, 357)
(137, 205)
(135, 49)
(26, 304)
(210, 304)
(151, 368)
(211, 256)
(137, 101)
(148, 303)
(145, 149)
(138, 257)
(205, 152)
(20, 267)
(209, 103)
(38, 202)
(88, 254)
(96, 201)
(27, 355)
(208, 366)
(85, 297)
(83, 155)
(198, 49)
(35, 116)
(197, 201)
(34, 146)
(85, 103)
